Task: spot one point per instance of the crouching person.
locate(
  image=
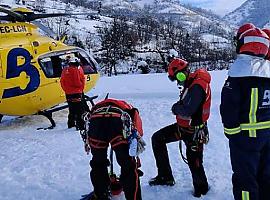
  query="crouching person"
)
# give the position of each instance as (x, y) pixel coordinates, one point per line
(117, 123)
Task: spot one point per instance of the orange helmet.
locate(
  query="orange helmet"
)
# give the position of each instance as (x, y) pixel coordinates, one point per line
(253, 42)
(176, 66)
(244, 28)
(267, 31)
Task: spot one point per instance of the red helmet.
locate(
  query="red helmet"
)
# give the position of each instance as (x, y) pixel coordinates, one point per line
(175, 66)
(253, 42)
(244, 28)
(267, 31)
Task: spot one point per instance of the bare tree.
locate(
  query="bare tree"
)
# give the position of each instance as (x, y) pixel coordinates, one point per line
(118, 41)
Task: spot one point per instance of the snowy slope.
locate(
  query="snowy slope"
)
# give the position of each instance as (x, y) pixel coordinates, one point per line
(254, 11)
(51, 165)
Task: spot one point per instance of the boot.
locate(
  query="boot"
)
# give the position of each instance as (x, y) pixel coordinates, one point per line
(200, 191)
(71, 124)
(162, 180)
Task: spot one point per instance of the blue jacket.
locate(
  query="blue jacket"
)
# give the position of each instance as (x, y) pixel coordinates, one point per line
(245, 98)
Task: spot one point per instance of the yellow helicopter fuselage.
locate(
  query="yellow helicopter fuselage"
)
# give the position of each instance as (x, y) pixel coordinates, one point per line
(27, 83)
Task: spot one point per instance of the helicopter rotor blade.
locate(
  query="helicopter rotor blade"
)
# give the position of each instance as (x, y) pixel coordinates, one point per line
(11, 15)
(7, 18)
(31, 17)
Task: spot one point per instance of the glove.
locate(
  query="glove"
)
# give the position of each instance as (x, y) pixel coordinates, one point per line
(201, 135)
(176, 108)
(140, 146)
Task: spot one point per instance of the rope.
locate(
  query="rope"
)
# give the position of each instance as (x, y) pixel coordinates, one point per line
(181, 152)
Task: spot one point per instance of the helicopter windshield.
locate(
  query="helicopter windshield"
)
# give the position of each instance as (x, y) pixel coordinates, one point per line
(53, 63)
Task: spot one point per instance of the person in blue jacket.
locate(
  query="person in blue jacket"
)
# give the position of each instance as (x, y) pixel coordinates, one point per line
(245, 112)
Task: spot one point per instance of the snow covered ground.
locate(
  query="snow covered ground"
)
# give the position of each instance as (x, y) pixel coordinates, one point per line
(52, 165)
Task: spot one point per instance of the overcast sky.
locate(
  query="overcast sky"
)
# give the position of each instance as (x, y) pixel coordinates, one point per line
(220, 7)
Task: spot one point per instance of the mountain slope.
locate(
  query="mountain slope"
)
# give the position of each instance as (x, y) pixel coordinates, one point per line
(254, 11)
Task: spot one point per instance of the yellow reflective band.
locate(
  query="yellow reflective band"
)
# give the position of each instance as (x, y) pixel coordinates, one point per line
(199, 126)
(248, 127)
(232, 131)
(253, 110)
(255, 126)
(245, 195)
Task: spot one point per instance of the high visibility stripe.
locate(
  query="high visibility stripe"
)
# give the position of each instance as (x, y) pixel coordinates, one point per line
(232, 131)
(255, 126)
(248, 127)
(249, 39)
(253, 110)
(245, 195)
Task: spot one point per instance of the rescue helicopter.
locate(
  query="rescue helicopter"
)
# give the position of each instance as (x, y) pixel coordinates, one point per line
(31, 64)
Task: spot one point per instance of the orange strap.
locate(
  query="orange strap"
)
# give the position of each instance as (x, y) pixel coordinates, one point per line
(118, 140)
(97, 144)
(105, 115)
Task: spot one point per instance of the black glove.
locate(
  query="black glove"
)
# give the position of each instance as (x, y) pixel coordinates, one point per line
(176, 108)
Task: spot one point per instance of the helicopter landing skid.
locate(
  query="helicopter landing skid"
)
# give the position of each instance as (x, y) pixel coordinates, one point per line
(47, 114)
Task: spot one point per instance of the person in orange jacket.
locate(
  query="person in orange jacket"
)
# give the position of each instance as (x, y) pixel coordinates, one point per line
(72, 82)
(192, 112)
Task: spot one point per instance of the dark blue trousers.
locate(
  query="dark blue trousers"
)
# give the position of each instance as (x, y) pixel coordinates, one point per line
(250, 159)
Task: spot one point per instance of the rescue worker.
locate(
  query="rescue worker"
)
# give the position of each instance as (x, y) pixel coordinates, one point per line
(267, 31)
(245, 113)
(192, 112)
(172, 55)
(117, 123)
(72, 82)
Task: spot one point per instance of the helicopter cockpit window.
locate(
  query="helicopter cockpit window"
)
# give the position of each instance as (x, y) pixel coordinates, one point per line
(53, 65)
(47, 66)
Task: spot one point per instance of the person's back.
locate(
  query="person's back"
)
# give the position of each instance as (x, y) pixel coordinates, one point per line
(245, 113)
(72, 79)
(116, 123)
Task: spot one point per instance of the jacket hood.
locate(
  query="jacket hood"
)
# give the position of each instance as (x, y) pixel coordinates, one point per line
(246, 65)
(201, 74)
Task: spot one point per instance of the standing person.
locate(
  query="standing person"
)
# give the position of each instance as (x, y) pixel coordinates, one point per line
(267, 31)
(245, 113)
(72, 82)
(117, 123)
(172, 55)
(192, 112)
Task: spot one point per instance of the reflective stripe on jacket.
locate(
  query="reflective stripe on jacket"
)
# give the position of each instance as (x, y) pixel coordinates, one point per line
(245, 106)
